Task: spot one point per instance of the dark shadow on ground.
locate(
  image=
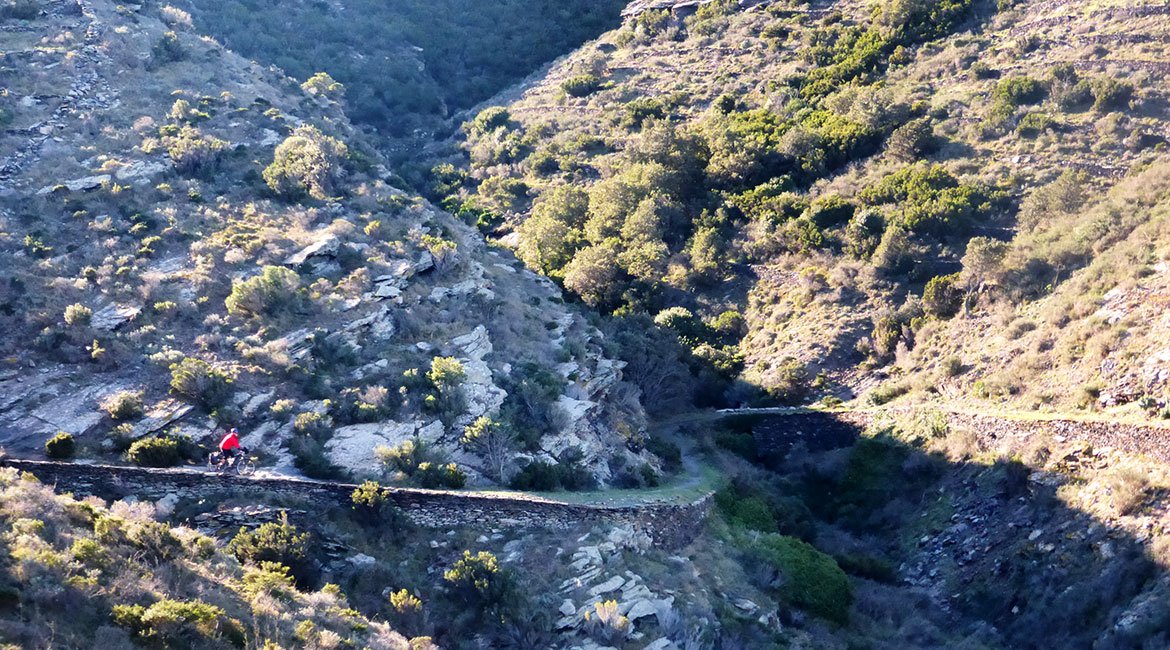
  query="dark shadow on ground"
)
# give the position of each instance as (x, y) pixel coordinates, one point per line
(987, 552)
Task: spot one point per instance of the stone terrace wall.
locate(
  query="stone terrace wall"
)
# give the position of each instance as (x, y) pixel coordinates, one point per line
(668, 525)
(1146, 439)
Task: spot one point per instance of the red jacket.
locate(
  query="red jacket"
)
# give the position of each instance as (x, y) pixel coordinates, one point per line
(230, 441)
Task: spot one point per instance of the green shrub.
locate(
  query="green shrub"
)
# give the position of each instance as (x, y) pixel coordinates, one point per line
(488, 120)
(740, 444)
(155, 452)
(167, 49)
(831, 210)
(192, 152)
(1033, 124)
(310, 458)
(928, 199)
(751, 512)
(669, 452)
(446, 373)
(200, 382)
(123, 405)
(78, 315)
(536, 476)
(479, 581)
(581, 85)
(809, 579)
(888, 392)
(313, 424)
(307, 162)
(1018, 91)
(434, 476)
(323, 85)
(372, 506)
(60, 446)
(942, 296)
(177, 623)
(278, 542)
(275, 291)
(1110, 94)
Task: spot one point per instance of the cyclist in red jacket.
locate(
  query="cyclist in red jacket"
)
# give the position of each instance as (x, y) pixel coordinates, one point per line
(230, 445)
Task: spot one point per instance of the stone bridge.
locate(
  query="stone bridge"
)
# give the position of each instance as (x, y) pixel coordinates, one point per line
(669, 525)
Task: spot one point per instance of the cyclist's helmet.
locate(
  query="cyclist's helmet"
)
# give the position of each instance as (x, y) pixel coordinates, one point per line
(234, 430)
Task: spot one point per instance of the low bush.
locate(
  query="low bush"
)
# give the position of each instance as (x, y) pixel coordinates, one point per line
(279, 542)
(167, 49)
(434, 476)
(60, 446)
(809, 579)
(310, 458)
(479, 581)
(178, 623)
(123, 405)
(740, 444)
(200, 382)
(541, 476)
(581, 85)
(313, 424)
(372, 506)
(751, 512)
(308, 162)
(78, 315)
(888, 392)
(1110, 94)
(155, 452)
(942, 297)
(277, 290)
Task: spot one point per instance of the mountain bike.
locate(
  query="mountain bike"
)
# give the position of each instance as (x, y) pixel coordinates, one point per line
(242, 463)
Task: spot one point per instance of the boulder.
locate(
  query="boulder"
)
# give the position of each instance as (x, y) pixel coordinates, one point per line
(79, 184)
(641, 609)
(165, 506)
(352, 447)
(113, 316)
(324, 245)
(141, 171)
(613, 584)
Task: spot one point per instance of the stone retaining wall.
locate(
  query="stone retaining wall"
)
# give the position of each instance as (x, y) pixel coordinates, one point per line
(1146, 439)
(668, 525)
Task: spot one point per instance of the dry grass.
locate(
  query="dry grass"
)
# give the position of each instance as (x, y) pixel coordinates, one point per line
(1128, 488)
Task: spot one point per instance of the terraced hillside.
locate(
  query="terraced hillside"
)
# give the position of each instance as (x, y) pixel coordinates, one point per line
(844, 179)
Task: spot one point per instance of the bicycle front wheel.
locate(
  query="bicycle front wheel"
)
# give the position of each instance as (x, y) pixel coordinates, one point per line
(245, 467)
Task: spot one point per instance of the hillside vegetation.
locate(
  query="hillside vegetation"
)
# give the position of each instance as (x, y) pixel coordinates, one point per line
(808, 195)
(406, 65)
(190, 242)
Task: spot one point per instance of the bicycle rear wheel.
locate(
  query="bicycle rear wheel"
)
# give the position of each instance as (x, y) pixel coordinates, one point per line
(213, 461)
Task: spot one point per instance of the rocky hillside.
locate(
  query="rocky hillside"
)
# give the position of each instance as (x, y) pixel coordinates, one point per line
(807, 194)
(189, 241)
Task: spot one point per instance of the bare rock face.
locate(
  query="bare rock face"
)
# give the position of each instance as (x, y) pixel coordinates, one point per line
(114, 316)
(78, 184)
(483, 396)
(323, 246)
(141, 171)
(352, 447)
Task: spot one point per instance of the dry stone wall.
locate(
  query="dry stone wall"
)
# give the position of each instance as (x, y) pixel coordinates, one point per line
(668, 525)
(779, 431)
